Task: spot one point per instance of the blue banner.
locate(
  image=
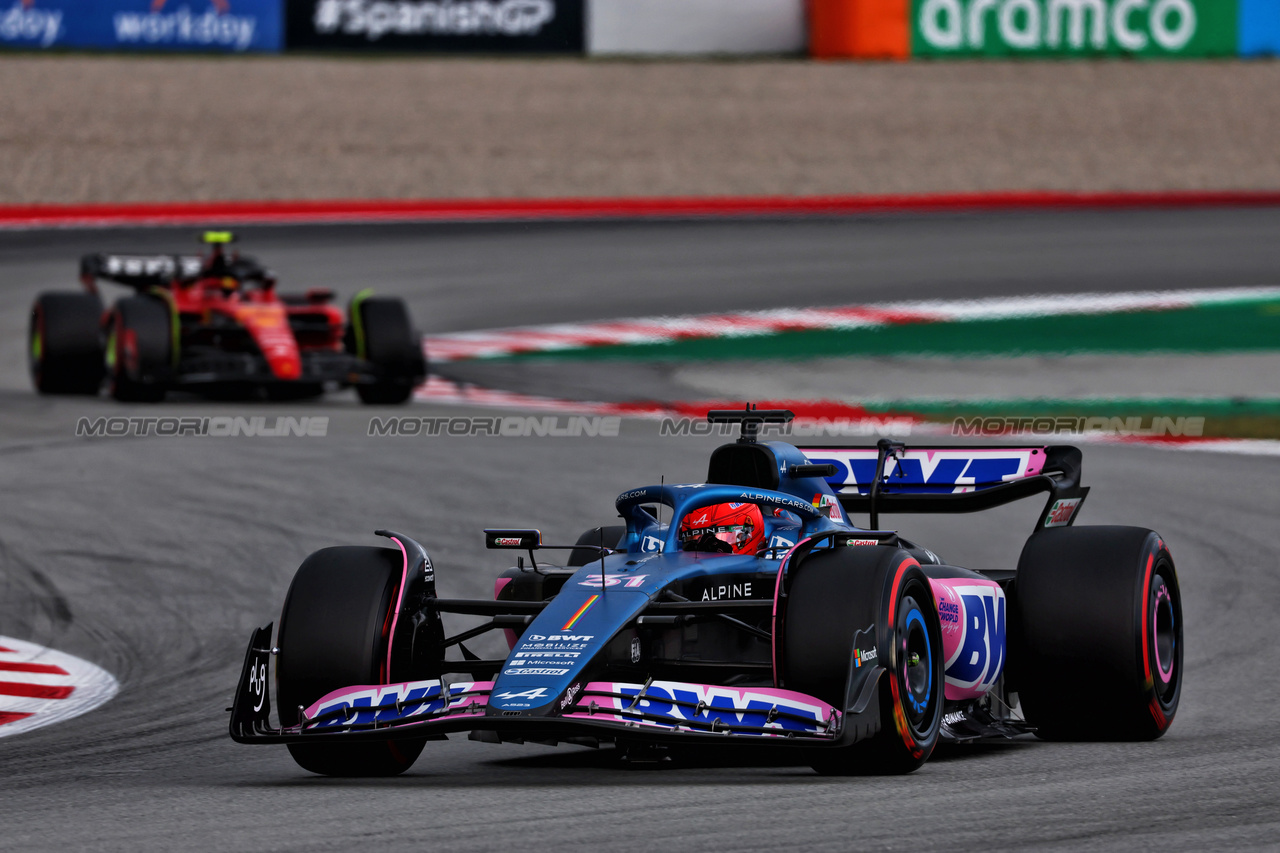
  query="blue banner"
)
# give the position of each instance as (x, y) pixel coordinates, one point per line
(1259, 27)
(223, 26)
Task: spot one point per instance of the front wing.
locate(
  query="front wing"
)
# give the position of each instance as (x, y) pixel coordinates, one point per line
(657, 711)
(205, 366)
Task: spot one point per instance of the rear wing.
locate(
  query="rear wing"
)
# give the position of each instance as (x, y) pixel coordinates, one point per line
(891, 477)
(139, 271)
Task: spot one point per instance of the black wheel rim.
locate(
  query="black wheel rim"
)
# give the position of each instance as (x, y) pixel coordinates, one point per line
(915, 665)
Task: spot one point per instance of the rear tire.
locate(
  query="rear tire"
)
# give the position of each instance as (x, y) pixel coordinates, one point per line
(1098, 650)
(139, 349)
(387, 341)
(835, 594)
(64, 343)
(334, 630)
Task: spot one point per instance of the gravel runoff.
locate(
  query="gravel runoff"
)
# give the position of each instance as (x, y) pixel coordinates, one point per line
(116, 129)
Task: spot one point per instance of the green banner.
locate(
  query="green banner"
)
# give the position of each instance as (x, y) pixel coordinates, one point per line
(1065, 28)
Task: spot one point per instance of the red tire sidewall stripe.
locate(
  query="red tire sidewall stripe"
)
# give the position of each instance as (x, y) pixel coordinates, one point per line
(899, 714)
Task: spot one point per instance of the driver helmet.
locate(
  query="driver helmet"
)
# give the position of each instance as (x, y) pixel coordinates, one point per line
(738, 528)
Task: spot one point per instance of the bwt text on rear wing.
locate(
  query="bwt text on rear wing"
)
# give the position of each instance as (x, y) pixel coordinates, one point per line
(892, 477)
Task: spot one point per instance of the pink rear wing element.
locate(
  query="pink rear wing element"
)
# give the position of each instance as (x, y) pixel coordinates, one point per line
(928, 470)
(953, 479)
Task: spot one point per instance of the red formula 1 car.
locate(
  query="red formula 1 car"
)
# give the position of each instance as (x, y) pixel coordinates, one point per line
(216, 323)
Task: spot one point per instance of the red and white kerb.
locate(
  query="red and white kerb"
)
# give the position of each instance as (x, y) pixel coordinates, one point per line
(40, 686)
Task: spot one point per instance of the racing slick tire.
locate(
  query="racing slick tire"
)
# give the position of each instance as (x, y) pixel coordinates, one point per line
(382, 334)
(139, 348)
(64, 343)
(833, 596)
(334, 630)
(610, 535)
(1096, 652)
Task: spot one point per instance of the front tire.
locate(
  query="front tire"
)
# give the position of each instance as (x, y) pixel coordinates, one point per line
(1098, 654)
(64, 343)
(139, 349)
(334, 631)
(834, 595)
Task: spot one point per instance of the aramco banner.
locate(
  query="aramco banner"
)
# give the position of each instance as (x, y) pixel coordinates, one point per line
(1056, 28)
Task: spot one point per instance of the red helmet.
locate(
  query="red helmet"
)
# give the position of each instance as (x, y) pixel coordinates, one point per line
(738, 527)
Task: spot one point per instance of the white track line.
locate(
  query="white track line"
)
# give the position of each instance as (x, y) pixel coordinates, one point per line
(1236, 446)
(39, 686)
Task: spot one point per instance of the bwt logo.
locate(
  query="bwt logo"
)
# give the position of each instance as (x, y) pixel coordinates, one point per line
(927, 471)
(1131, 25)
(978, 658)
(676, 703)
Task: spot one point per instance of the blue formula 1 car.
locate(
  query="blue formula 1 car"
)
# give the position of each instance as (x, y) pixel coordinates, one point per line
(757, 617)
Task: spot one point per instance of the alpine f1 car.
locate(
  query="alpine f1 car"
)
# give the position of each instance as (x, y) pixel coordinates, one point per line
(756, 615)
(217, 323)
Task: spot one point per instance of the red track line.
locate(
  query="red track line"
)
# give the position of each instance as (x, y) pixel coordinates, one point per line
(34, 691)
(468, 210)
(46, 668)
(11, 717)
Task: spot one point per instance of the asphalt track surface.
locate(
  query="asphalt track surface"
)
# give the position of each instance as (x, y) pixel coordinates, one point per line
(154, 558)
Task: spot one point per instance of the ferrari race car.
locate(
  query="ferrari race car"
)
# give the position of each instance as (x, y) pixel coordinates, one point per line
(756, 616)
(216, 324)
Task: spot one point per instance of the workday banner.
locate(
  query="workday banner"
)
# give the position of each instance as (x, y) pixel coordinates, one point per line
(224, 26)
(1049, 28)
